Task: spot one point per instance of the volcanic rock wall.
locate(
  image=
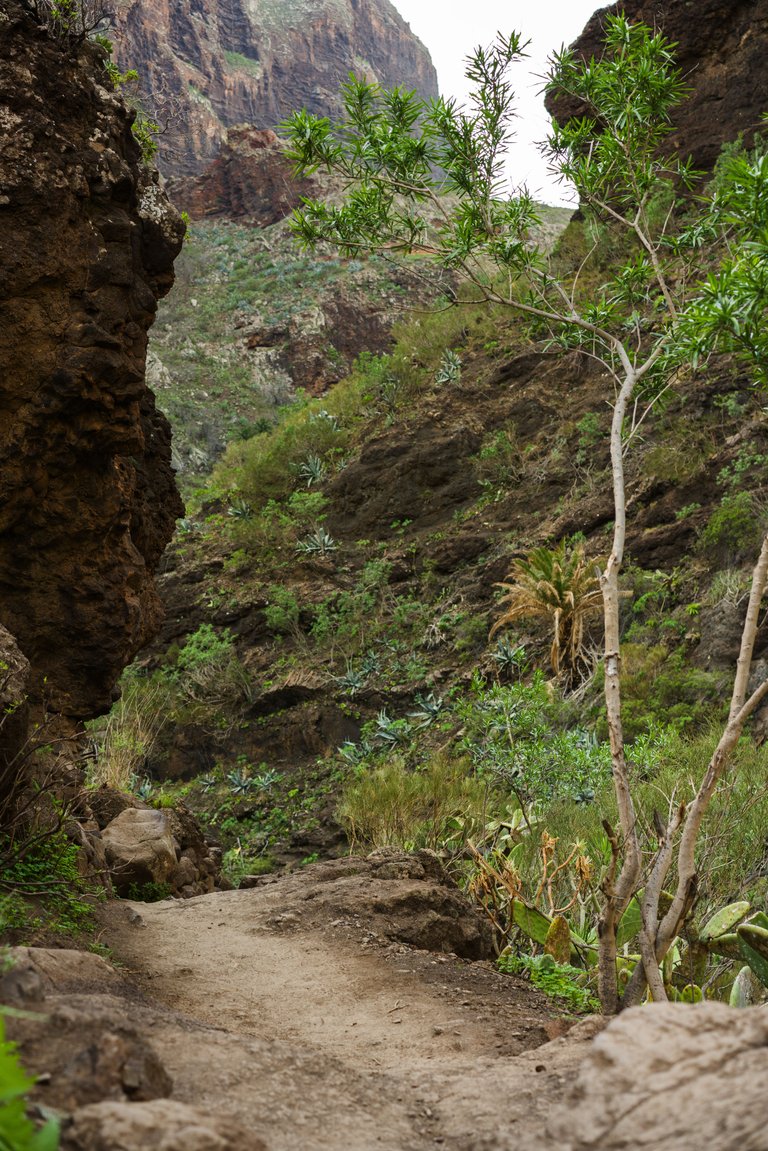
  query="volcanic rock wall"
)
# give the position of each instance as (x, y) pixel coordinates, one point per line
(721, 46)
(87, 495)
(212, 64)
(251, 178)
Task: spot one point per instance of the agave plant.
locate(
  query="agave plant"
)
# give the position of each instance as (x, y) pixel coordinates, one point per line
(312, 470)
(265, 779)
(240, 509)
(327, 417)
(509, 657)
(143, 788)
(428, 708)
(356, 753)
(239, 781)
(370, 664)
(391, 731)
(450, 368)
(318, 542)
(562, 585)
(352, 681)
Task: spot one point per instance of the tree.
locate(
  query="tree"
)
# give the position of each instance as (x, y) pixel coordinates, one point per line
(429, 177)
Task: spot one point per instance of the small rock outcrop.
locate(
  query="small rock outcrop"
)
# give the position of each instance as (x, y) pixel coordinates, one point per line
(162, 1125)
(397, 895)
(149, 849)
(720, 45)
(673, 1078)
(86, 1033)
(217, 64)
(140, 848)
(87, 495)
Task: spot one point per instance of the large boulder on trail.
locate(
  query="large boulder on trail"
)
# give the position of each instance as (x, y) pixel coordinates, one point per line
(161, 1125)
(671, 1077)
(140, 849)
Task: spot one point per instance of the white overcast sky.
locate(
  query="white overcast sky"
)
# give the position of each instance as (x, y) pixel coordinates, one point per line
(450, 31)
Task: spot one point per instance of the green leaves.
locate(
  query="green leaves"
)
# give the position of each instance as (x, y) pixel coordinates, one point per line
(17, 1132)
(611, 153)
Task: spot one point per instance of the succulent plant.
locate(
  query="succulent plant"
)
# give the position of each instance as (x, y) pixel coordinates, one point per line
(312, 470)
(318, 542)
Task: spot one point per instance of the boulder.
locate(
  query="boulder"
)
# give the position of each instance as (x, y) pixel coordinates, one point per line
(140, 849)
(671, 1077)
(162, 1125)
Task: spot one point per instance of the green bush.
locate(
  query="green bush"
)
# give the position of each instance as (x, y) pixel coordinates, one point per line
(44, 890)
(661, 689)
(282, 611)
(558, 980)
(204, 647)
(527, 735)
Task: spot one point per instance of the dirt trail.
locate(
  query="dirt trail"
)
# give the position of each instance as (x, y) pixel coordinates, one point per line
(319, 1033)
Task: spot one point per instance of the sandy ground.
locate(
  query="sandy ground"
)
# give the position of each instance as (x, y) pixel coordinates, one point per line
(319, 1034)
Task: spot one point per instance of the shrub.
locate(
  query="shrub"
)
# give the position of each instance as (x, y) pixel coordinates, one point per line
(525, 736)
(391, 806)
(282, 611)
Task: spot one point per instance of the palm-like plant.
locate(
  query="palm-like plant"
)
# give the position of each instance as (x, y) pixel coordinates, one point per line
(563, 585)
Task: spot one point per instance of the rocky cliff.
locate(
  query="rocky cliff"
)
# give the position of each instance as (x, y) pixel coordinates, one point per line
(250, 178)
(216, 63)
(87, 495)
(721, 48)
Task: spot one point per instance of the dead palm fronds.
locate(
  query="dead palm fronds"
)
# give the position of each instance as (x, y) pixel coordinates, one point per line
(562, 585)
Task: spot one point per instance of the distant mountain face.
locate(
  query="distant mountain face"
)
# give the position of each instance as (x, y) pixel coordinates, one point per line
(210, 64)
(721, 46)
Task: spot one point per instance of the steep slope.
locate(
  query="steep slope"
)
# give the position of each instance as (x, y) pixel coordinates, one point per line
(216, 64)
(87, 495)
(720, 47)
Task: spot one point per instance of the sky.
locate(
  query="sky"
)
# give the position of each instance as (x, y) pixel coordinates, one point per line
(451, 31)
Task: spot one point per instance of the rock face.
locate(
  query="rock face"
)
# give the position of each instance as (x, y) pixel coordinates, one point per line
(87, 496)
(672, 1078)
(251, 177)
(14, 711)
(225, 62)
(721, 47)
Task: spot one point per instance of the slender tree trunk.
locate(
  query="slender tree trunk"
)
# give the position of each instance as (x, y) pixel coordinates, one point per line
(618, 889)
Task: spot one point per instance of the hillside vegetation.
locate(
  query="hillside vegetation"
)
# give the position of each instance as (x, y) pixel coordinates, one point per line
(383, 623)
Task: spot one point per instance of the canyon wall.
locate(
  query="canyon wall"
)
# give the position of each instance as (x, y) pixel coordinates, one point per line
(211, 64)
(87, 495)
(721, 46)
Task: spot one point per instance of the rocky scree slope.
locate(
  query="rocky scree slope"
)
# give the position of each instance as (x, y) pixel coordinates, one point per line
(217, 64)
